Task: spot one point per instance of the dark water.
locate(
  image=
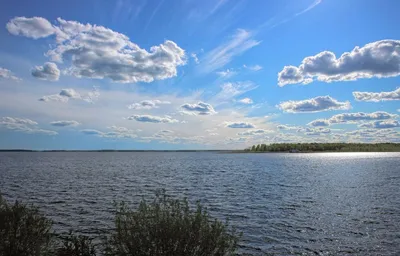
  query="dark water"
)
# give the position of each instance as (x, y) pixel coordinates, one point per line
(285, 204)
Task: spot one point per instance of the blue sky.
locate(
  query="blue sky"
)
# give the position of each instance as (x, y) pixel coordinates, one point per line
(213, 74)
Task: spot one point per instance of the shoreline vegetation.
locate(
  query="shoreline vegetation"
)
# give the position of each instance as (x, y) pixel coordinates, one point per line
(261, 148)
(323, 147)
(163, 227)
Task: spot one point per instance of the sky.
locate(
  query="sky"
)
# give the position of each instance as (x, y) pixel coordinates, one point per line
(188, 74)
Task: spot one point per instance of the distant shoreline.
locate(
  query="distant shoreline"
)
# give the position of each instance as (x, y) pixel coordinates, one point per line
(184, 151)
(260, 148)
(111, 150)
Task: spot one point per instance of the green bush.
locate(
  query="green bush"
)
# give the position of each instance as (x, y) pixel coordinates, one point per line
(168, 227)
(24, 231)
(164, 227)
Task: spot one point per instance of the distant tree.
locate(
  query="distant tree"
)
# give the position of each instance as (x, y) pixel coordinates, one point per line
(330, 147)
(263, 147)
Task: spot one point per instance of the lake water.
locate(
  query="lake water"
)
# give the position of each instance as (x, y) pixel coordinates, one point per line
(285, 204)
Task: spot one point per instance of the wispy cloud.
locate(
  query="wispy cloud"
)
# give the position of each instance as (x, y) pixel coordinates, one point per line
(153, 14)
(274, 22)
(218, 57)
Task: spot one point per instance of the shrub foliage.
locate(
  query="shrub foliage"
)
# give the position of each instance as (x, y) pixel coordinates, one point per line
(168, 227)
(163, 227)
(24, 231)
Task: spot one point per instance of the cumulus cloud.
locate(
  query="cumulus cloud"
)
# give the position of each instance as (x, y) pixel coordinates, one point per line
(66, 94)
(49, 71)
(99, 52)
(63, 96)
(314, 131)
(119, 132)
(148, 104)
(200, 108)
(377, 96)
(377, 59)
(239, 125)
(383, 124)
(254, 132)
(64, 123)
(352, 118)
(373, 135)
(35, 27)
(152, 119)
(253, 68)
(91, 132)
(23, 125)
(7, 74)
(246, 101)
(287, 127)
(360, 116)
(319, 122)
(114, 132)
(317, 104)
(239, 43)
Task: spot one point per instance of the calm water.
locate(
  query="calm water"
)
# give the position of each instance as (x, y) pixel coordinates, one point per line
(310, 204)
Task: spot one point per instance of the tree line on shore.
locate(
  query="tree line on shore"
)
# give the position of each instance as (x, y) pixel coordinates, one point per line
(325, 147)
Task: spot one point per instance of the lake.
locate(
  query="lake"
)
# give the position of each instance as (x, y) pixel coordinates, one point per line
(285, 204)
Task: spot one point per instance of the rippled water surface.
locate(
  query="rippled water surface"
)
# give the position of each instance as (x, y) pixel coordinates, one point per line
(285, 204)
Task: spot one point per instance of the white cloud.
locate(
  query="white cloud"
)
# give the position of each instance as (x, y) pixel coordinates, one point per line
(383, 124)
(17, 121)
(246, 101)
(254, 132)
(360, 116)
(23, 125)
(148, 104)
(99, 52)
(49, 71)
(377, 96)
(66, 94)
(116, 132)
(200, 108)
(314, 131)
(152, 119)
(7, 74)
(239, 125)
(64, 123)
(120, 133)
(91, 132)
(373, 135)
(239, 43)
(352, 118)
(253, 68)
(319, 122)
(63, 96)
(226, 73)
(317, 104)
(287, 127)
(35, 27)
(377, 59)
